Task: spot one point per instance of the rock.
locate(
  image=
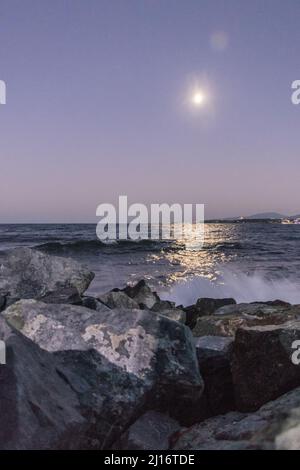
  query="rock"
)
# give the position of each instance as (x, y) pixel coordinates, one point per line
(174, 314)
(205, 435)
(214, 357)
(161, 305)
(276, 303)
(93, 304)
(204, 306)
(2, 302)
(117, 300)
(152, 431)
(142, 294)
(262, 367)
(168, 309)
(131, 360)
(38, 408)
(274, 426)
(28, 273)
(67, 295)
(226, 320)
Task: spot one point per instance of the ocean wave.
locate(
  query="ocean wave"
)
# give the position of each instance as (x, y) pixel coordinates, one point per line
(111, 245)
(241, 286)
(224, 246)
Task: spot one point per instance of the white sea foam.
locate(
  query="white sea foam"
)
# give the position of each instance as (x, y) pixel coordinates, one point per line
(240, 286)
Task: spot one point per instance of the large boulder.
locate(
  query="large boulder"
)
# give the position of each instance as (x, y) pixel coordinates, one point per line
(27, 273)
(262, 365)
(214, 357)
(38, 408)
(275, 426)
(204, 306)
(133, 360)
(226, 320)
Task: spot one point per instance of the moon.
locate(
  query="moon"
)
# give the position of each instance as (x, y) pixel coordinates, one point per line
(198, 98)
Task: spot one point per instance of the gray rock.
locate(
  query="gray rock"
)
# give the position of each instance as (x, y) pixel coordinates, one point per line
(214, 357)
(262, 366)
(226, 320)
(142, 294)
(117, 300)
(174, 314)
(28, 273)
(204, 306)
(276, 303)
(168, 309)
(273, 426)
(2, 302)
(162, 305)
(65, 295)
(144, 361)
(94, 304)
(152, 431)
(38, 408)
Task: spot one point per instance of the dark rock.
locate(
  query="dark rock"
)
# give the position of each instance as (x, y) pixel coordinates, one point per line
(38, 408)
(28, 273)
(142, 294)
(214, 357)
(163, 305)
(130, 360)
(276, 303)
(262, 366)
(275, 426)
(175, 314)
(204, 306)
(67, 295)
(93, 304)
(152, 431)
(2, 302)
(226, 320)
(168, 309)
(117, 300)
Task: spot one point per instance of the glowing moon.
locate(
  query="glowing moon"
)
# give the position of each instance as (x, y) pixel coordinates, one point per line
(198, 98)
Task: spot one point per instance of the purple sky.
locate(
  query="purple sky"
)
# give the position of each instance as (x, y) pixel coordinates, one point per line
(96, 106)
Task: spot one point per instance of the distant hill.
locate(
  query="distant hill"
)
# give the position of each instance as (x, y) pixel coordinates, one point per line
(267, 215)
(262, 215)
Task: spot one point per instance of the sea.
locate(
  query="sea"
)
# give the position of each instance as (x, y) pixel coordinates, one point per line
(249, 261)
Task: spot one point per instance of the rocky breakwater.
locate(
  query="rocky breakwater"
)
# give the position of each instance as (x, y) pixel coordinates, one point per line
(77, 376)
(127, 370)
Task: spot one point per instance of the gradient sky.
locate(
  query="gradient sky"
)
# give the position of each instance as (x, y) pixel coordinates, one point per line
(96, 93)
